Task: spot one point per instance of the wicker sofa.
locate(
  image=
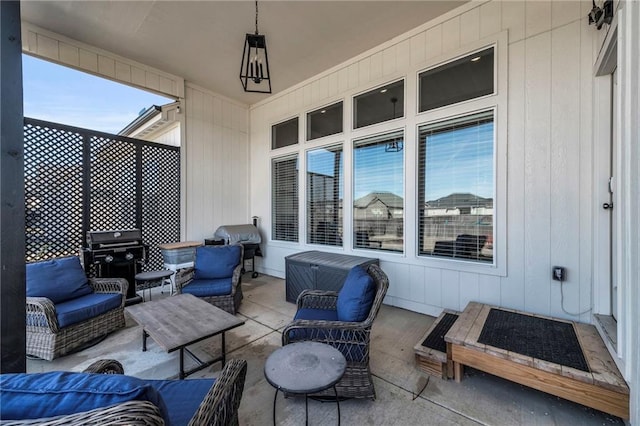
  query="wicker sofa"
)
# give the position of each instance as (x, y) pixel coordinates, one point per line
(216, 276)
(125, 400)
(66, 311)
(343, 320)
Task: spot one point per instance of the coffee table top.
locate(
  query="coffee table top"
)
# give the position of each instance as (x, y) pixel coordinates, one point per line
(304, 367)
(153, 275)
(180, 320)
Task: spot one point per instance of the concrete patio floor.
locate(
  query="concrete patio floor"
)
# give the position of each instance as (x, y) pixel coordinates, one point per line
(405, 396)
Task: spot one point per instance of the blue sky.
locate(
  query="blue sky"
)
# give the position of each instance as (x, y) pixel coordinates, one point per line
(63, 95)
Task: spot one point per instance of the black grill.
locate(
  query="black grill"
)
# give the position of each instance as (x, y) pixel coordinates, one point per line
(116, 254)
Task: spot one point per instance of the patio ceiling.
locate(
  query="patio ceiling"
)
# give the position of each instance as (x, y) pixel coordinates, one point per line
(202, 41)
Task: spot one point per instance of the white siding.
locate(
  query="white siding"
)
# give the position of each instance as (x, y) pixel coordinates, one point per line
(72, 53)
(215, 166)
(549, 200)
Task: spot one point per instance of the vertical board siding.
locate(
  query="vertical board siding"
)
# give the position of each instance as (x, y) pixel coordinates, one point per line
(218, 174)
(57, 48)
(549, 191)
(537, 185)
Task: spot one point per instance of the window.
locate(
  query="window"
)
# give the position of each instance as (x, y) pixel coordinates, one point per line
(284, 134)
(324, 121)
(378, 105)
(324, 196)
(456, 188)
(457, 81)
(284, 198)
(378, 188)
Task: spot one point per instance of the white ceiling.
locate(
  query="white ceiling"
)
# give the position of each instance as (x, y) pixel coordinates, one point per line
(202, 41)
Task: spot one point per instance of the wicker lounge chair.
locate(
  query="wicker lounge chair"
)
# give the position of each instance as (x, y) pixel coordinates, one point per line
(351, 338)
(219, 407)
(216, 276)
(48, 339)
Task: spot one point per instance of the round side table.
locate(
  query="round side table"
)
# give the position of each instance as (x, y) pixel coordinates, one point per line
(304, 368)
(146, 280)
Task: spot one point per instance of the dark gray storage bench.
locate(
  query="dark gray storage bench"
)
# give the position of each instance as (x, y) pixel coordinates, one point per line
(319, 270)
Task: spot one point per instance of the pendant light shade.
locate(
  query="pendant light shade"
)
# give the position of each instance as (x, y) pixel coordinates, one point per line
(254, 69)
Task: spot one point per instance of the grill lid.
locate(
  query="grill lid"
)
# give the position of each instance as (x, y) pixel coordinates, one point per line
(115, 237)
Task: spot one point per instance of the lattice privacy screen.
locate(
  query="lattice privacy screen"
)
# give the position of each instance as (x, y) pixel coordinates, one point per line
(78, 180)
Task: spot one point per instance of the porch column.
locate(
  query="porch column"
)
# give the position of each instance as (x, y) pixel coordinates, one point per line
(12, 236)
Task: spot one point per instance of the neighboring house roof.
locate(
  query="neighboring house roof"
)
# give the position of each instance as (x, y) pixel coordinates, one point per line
(455, 200)
(387, 198)
(151, 120)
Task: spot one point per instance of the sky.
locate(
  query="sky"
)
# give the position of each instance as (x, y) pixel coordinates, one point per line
(63, 95)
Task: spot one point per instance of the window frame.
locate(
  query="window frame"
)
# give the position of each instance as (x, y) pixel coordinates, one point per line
(373, 89)
(390, 133)
(272, 160)
(307, 197)
(498, 102)
(320, 138)
(271, 128)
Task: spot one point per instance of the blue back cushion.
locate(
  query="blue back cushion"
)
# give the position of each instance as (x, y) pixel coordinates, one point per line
(356, 296)
(216, 261)
(40, 395)
(183, 397)
(57, 279)
(83, 308)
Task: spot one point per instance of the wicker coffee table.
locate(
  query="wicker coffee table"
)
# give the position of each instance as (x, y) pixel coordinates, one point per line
(182, 320)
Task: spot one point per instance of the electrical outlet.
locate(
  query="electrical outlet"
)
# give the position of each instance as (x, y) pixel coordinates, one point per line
(559, 273)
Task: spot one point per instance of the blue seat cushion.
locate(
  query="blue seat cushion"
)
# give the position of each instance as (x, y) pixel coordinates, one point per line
(83, 308)
(41, 395)
(216, 261)
(182, 397)
(314, 315)
(208, 287)
(57, 279)
(356, 296)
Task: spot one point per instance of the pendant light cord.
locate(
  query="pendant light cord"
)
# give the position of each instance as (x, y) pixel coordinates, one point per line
(257, 16)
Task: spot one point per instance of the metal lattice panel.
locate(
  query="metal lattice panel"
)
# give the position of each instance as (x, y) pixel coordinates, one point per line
(160, 179)
(131, 184)
(53, 192)
(113, 184)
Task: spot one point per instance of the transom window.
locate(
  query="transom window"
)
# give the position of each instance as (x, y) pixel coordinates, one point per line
(284, 196)
(324, 195)
(284, 134)
(456, 188)
(378, 189)
(460, 80)
(324, 121)
(378, 105)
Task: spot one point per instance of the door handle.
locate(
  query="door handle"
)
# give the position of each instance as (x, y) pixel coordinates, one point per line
(607, 206)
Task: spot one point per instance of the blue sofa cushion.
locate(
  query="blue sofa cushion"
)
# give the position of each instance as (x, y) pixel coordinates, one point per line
(57, 279)
(41, 395)
(83, 308)
(216, 261)
(356, 296)
(182, 397)
(206, 288)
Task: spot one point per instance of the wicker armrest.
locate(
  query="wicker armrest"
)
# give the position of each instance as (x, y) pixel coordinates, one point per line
(135, 413)
(317, 299)
(41, 314)
(183, 277)
(109, 285)
(105, 366)
(220, 405)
